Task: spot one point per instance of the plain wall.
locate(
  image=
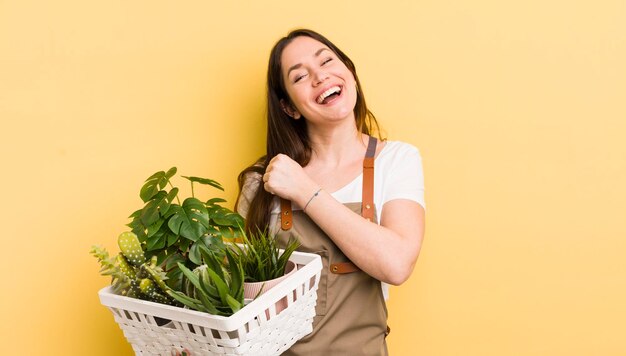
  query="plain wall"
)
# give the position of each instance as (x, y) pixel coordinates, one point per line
(517, 107)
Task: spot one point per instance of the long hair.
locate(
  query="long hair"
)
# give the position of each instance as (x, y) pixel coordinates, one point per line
(288, 136)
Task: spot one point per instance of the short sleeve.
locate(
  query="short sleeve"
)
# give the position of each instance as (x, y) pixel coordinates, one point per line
(250, 186)
(405, 178)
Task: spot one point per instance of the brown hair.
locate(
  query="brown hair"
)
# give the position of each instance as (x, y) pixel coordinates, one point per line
(286, 135)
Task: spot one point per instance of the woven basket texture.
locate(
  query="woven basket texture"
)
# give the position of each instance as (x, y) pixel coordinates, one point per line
(257, 329)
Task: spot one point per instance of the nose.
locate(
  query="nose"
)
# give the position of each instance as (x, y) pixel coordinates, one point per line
(319, 77)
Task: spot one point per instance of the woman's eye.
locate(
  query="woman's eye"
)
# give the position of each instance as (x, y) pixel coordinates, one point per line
(297, 79)
(327, 60)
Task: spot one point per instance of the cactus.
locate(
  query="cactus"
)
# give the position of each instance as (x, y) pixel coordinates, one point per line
(132, 275)
(131, 248)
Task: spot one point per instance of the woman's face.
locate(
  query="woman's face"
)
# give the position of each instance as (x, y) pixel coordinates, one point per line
(320, 86)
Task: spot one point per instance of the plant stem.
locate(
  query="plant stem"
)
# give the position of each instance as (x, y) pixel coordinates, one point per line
(192, 194)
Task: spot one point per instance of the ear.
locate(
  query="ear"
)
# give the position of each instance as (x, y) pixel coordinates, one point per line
(289, 110)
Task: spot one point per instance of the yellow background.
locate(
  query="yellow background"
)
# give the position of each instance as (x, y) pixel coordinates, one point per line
(517, 107)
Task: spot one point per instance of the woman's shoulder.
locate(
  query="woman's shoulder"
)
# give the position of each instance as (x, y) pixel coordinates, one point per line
(398, 149)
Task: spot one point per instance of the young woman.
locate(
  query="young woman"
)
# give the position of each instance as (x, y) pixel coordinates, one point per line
(356, 201)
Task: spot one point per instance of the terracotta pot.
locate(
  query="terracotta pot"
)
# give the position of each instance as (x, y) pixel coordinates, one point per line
(254, 289)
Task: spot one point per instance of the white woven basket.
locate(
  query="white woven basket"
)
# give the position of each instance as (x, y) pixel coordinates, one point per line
(254, 330)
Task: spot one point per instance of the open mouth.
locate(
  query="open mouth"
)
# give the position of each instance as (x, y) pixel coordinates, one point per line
(329, 95)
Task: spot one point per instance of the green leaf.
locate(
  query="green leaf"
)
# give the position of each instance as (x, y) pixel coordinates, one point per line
(292, 245)
(136, 225)
(172, 261)
(171, 211)
(201, 289)
(175, 278)
(154, 228)
(220, 284)
(214, 244)
(210, 289)
(205, 181)
(226, 233)
(171, 238)
(191, 220)
(225, 217)
(183, 245)
(237, 220)
(140, 232)
(156, 242)
(208, 305)
(135, 214)
(221, 220)
(207, 288)
(236, 275)
(189, 275)
(233, 303)
(211, 260)
(157, 206)
(170, 197)
(171, 250)
(185, 300)
(213, 231)
(151, 187)
(215, 201)
(194, 253)
(170, 173)
(154, 183)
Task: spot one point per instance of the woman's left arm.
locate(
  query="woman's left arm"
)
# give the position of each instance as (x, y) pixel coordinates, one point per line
(387, 251)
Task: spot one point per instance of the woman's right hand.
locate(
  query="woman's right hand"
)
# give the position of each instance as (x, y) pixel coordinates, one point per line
(285, 178)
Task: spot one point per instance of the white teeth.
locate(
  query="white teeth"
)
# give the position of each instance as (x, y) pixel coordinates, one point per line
(325, 94)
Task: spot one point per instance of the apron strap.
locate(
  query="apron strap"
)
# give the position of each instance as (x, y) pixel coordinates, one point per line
(285, 214)
(367, 204)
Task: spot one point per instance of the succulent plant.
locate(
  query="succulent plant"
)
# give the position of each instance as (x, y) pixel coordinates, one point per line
(132, 275)
(212, 288)
(260, 256)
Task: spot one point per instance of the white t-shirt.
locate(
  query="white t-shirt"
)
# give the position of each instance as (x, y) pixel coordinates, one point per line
(398, 174)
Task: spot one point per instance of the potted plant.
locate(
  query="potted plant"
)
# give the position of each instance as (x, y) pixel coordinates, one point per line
(263, 263)
(175, 231)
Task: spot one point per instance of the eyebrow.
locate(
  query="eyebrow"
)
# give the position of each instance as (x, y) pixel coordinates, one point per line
(317, 53)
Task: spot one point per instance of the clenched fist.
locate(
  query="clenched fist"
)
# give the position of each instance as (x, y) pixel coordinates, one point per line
(285, 178)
